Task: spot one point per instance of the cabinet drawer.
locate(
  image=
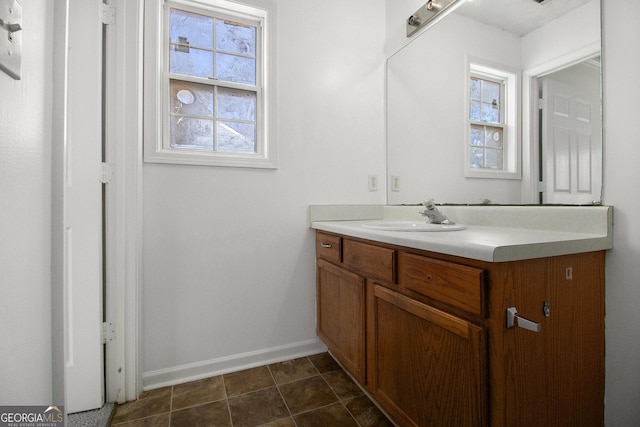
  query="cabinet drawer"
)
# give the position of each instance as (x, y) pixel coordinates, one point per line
(373, 261)
(329, 247)
(453, 284)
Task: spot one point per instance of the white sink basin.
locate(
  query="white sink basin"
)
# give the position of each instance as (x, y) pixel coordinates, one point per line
(412, 226)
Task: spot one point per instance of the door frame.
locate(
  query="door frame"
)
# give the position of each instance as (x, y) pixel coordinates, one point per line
(123, 136)
(531, 120)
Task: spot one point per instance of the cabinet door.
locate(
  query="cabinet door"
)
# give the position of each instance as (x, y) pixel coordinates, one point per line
(341, 316)
(429, 367)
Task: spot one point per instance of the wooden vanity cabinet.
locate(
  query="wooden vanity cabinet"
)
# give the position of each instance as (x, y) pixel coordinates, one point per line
(429, 338)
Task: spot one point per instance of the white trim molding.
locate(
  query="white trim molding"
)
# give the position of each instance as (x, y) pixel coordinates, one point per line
(123, 130)
(530, 119)
(233, 363)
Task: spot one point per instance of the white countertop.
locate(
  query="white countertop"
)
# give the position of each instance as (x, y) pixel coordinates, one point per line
(489, 242)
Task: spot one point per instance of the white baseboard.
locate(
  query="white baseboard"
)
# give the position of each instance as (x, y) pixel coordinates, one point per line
(209, 368)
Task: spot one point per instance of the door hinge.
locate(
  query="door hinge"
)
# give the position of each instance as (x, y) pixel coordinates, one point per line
(106, 172)
(540, 103)
(542, 187)
(108, 332)
(108, 14)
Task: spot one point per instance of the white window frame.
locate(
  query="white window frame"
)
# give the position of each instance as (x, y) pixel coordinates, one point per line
(156, 89)
(512, 151)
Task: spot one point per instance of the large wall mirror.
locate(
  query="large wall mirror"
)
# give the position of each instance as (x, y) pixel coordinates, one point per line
(554, 143)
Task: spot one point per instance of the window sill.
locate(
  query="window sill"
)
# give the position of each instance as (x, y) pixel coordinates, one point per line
(491, 174)
(209, 159)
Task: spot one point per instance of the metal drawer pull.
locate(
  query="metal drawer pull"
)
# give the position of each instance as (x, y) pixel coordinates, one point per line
(512, 315)
(326, 245)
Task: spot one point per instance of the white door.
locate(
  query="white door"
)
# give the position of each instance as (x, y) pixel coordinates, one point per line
(84, 376)
(571, 142)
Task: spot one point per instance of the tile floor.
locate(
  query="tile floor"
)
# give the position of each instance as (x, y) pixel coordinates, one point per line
(305, 392)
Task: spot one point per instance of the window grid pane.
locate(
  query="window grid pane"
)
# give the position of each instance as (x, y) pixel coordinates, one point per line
(191, 62)
(485, 100)
(209, 116)
(208, 47)
(231, 117)
(233, 37)
(486, 147)
(191, 133)
(486, 142)
(191, 29)
(190, 99)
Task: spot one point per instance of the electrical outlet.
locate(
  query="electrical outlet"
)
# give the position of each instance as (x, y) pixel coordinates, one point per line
(373, 182)
(395, 183)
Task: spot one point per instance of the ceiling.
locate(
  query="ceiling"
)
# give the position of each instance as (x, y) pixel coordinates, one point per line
(518, 16)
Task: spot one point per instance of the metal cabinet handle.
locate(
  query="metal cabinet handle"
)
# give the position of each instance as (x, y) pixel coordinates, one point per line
(512, 315)
(326, 245)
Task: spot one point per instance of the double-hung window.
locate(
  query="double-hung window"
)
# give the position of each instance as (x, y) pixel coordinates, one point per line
(215, 85)
(492, 143)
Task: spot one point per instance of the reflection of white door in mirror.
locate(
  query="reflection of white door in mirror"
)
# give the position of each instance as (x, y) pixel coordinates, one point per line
(571, 135)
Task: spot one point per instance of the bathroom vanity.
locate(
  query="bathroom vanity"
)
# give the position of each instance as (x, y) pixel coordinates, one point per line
(486, 326)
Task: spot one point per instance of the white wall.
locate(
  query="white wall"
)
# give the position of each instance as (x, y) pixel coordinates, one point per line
(621, 138)
(553, 40)
(228, 255)
(25, 216)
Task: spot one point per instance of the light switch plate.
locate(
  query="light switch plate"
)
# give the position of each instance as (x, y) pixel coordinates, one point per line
(10, 41)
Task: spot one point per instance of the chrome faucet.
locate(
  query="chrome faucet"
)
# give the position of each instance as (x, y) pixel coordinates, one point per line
(434, 215)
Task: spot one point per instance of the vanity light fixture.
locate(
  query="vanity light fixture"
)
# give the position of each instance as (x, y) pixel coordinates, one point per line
(428, 13)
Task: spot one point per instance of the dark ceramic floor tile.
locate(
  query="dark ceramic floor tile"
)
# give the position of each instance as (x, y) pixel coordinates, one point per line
(161, 420)
(260, 407)
(324, 362)
(334, 416)
(292, 370)
(248, 380)
(367, 414)
(305, 395)
(342, 384)
(198, 392)
(207, 415)
(285, 422)
(150, 403)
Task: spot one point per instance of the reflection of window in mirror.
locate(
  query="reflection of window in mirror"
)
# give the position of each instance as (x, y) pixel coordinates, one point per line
(486, 123)
(492, 143)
